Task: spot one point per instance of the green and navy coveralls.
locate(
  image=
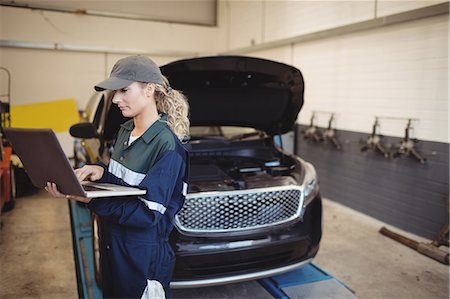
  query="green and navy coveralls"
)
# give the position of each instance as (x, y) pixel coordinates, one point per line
(135, 229)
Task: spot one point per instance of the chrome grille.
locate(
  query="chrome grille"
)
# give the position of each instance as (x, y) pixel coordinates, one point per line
(228, 211)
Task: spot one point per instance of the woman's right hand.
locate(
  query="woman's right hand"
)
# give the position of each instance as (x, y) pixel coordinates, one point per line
(89, 172)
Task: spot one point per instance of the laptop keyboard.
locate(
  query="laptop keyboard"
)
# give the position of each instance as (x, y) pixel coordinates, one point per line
(92, 188)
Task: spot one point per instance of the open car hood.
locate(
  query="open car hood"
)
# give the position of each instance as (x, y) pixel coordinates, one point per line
(239, 91)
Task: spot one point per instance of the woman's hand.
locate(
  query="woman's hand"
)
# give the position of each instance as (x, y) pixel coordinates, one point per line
(53, 190)
(89, 172)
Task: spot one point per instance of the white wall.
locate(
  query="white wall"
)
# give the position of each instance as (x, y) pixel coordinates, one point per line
(83, 50)
(399, 70)
(244, 23)
(105, 32)
(261, 21)
(388, 7)
(396, 71)
(291, 18)
(45, 75)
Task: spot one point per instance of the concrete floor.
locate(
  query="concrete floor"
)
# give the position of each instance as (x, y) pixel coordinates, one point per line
(36, 258)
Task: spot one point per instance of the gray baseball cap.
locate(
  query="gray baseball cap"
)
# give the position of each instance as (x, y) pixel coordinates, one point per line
(131, 69)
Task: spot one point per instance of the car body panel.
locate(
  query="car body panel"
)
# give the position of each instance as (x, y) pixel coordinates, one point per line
(239, 91)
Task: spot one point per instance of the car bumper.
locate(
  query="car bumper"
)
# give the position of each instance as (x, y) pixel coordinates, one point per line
(214, 261)
(236, 278)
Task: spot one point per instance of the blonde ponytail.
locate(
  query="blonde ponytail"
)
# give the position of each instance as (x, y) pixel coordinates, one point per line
(175, 105)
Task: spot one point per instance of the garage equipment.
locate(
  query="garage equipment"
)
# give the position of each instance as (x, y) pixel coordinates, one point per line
(307, 282)
(407, 148)
(330, 133)
(6, 168)
(374, 141)
(5, 105)
(429, 249)
(7, 181)
(82, 238)
(312, 132)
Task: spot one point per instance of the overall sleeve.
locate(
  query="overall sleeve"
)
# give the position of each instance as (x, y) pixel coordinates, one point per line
(108, 177)
(161, 181)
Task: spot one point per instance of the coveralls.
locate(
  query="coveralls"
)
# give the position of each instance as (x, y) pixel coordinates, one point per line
(134, 230)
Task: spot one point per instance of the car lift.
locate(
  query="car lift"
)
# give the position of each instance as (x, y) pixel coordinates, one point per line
(80, 221)
(307, 282)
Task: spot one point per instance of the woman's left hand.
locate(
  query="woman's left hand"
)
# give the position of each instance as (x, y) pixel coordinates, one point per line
(53, 190)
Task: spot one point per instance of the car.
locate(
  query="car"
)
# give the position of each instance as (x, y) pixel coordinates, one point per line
(253, 210)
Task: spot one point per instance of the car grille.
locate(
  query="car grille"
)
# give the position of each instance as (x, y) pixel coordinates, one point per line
(229, 211)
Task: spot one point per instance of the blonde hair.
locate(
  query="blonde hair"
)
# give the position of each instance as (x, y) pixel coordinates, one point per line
(175, 105)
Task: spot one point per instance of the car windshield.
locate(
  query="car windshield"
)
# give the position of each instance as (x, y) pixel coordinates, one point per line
(224, 132)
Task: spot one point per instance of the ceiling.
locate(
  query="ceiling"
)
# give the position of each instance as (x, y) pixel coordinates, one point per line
(198, 12)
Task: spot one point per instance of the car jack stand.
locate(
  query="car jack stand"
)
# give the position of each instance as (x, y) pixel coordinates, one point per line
(307, 282)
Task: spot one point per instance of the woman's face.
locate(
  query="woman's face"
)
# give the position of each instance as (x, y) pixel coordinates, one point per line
(132, 100)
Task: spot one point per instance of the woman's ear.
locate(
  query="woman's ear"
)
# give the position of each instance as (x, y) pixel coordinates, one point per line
(149, 90)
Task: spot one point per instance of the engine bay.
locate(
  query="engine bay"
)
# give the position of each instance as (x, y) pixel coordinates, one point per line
(245, 168)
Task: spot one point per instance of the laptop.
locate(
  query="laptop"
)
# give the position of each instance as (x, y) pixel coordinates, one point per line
(45, 161)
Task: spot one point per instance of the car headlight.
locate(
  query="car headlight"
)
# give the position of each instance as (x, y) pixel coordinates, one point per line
(310, 183)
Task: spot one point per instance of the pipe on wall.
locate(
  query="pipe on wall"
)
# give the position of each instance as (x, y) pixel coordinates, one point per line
(90, 49)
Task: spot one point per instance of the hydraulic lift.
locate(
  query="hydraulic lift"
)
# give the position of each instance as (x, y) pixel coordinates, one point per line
(307, 282)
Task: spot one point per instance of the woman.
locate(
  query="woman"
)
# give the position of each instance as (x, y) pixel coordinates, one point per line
(148, 153)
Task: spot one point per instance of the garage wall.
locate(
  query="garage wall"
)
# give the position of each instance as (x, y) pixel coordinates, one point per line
(389, 7)
(54, 55)
(44, 75)
(293, 18)
(395, 72)
(257, 22)
(399, 191)
(83, 47)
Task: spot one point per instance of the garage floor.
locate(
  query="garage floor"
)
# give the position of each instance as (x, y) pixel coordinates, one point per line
(36, 258)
